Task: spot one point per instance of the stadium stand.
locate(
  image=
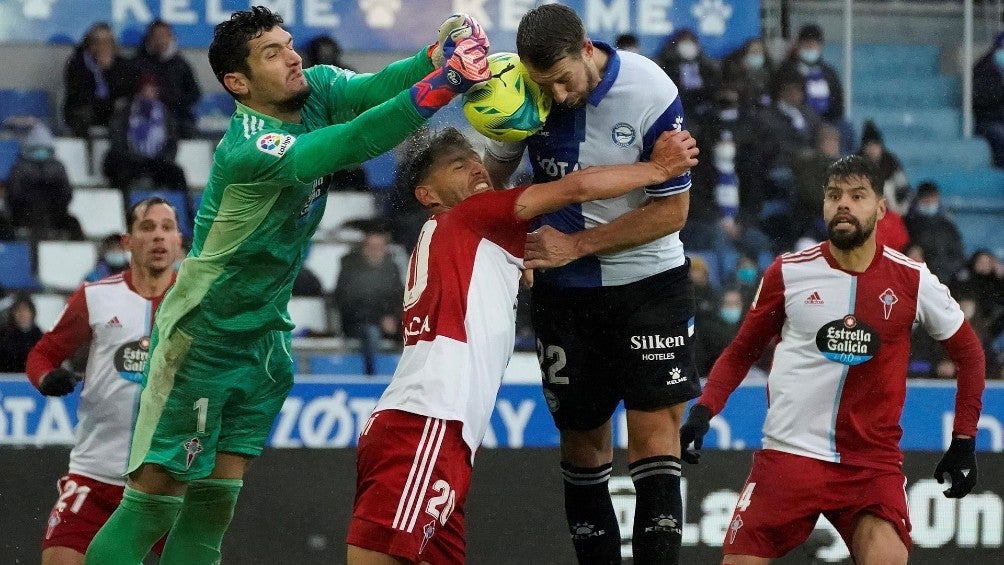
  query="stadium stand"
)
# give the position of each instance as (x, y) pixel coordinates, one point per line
(48, 306)
(9, 149)
(212, 113)
(62, 265)
(15, 266)
(309, 314)
(341, 208)
(195, 157)
(325, 260)
(33, 103)
(100, 211)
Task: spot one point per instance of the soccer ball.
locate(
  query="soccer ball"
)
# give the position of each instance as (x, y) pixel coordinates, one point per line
(509, 106)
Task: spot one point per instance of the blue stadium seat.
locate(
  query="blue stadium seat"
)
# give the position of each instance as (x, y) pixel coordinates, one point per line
(336, 364)
(25, 103)
(15, 266)
(175, 197)
(381, 170)
(9, 149)
(213, 112)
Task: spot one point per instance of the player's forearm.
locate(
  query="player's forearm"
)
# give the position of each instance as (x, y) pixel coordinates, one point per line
(373, 132)
(369, 90)
(966, 351)
(658, 218)
(599, 183)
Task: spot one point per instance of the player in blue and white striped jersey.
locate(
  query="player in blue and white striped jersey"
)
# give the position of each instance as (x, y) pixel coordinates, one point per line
(613, 307)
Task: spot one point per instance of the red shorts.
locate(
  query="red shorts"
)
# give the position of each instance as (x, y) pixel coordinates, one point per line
(785, 494)
(413, 473)
(84, 505)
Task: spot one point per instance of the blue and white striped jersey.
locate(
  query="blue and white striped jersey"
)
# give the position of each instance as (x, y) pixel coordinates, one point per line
(633, 103)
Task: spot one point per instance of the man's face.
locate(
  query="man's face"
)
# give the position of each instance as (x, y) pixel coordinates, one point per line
(159, 39)
(569, 80)
(276, 73)
(453, 177)
(851, 209)
(154, 239)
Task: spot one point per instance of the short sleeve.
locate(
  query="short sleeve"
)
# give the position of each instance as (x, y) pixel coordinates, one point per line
(937, 311)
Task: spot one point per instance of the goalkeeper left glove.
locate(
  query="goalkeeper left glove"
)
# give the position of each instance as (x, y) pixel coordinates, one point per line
(467, 67)
(960, 464)
(451, 32)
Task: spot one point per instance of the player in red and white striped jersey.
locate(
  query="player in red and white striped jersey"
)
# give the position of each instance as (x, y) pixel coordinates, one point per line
(417, 450)
(114, 315)
(844, 311)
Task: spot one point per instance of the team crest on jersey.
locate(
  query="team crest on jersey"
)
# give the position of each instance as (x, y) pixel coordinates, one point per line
(888, 299)
(275, 143)
(552, 400)
(848, 341)
(193, 447)
(428, 531)
(130, 359)
(623, 134)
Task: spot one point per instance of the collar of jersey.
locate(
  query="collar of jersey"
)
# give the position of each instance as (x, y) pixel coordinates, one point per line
(609, 75)
(270, 121)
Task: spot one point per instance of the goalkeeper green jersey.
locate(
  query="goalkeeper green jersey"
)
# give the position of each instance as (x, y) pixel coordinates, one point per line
(267, 190)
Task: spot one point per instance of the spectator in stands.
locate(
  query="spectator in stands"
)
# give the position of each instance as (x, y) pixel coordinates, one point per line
(158, 55)
(891, 231)
(627, 42)
(95, 77)
(18, 335)
(368, 295)
(706, 297)
(935, 232)
(988, 98)
(38, 190)
(7, 231)
(113, 258)
(324, 50)
(746, 278)
(750, 68)
(983, 279)
(784, 130)
(715, 332)
(895, 187)
(696, 75)
(823, 91)
(144, 142)
(809, 168)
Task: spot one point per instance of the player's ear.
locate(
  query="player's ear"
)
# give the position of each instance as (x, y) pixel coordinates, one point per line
(236, 83)
(426, 196)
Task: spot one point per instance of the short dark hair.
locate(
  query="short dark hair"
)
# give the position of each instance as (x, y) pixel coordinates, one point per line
(810, 32)
(927, 188)
(228, 53)
(855, 166)
(549, 33)
(424, 150)
(133, 214)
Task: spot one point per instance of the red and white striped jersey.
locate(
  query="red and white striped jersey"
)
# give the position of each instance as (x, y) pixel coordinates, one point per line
(838, 383)
(459, 313)
(117, 322)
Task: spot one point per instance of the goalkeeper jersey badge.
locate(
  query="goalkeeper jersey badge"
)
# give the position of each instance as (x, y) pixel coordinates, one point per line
(193, 447)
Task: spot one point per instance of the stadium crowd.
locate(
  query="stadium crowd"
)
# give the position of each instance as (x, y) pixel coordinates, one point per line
(767, 129)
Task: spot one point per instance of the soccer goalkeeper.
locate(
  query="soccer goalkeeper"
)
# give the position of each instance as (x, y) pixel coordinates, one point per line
(220, 365)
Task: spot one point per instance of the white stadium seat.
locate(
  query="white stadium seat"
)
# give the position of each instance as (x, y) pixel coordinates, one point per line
(48, 307)
(62, 265)
(325, 260)
(100, 211)
(72, 152)
(342, 207)
(309, 313)
(195, 156)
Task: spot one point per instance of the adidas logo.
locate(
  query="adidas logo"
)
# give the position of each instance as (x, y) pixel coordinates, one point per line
(114, 322)
(814, 298)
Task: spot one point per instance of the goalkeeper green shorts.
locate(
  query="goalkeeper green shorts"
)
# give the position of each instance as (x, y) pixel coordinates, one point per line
(209, 396)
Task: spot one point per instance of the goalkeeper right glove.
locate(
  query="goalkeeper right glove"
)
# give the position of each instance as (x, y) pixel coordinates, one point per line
(58, 382)
(693, 430)
(451, 32)
(467, 67)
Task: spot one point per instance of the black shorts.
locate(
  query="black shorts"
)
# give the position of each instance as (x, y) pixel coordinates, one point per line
(598, 346)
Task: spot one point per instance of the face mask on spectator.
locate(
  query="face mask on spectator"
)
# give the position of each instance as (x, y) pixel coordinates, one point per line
(687, 50)
(38, 153)
(730, 314)
(999, 58)
(116, 258)
(928, 209)
(754, 61)
(809, 56)
(746, 275)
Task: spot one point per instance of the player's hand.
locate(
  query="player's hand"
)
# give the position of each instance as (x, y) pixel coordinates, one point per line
(547, 248)
(693, 430)
(451, 32)
(960, 464)
(58, 382)
(675, 152)
(466, 68)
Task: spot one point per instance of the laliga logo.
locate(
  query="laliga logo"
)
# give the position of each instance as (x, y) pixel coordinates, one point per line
(269, 141)
(380, 14)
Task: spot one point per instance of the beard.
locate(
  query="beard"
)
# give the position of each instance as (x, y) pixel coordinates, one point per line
(847, 240)
(295, 102)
